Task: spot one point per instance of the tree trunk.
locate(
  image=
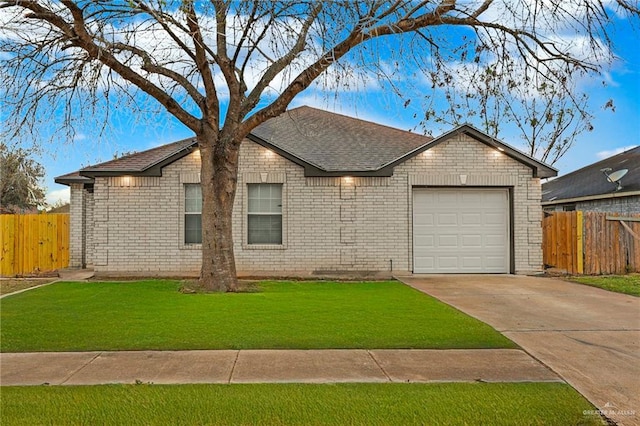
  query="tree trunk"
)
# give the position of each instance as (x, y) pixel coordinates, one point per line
(218, 176)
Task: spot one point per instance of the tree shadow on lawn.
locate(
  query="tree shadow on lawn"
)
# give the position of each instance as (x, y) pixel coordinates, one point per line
(194, 287)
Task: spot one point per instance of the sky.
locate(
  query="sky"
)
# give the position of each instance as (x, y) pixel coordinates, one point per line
(614, 131)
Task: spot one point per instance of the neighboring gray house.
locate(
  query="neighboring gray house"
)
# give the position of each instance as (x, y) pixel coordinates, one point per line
(320, 193)
(588, 189)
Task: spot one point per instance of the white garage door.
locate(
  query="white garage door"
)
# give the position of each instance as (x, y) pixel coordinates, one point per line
(460, 230)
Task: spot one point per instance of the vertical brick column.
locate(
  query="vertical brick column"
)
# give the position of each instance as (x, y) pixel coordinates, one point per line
(76, 228)
(347, 223)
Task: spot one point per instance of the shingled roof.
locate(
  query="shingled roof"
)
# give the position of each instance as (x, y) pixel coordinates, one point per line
(590, 181)
(149, 162)
(337, 143)
(324, 143)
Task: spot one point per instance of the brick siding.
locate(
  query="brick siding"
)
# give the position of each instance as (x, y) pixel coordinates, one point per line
(329, 224)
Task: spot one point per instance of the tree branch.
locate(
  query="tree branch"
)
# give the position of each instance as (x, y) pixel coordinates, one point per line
(78, 35)
(254, 97)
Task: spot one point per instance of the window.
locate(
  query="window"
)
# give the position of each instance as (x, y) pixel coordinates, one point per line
(264, 213)
(192, 214)
(569, 208)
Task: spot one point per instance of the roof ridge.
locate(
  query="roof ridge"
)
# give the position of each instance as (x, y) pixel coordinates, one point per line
(361, 120)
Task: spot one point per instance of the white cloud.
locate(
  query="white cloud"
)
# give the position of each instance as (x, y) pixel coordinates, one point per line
(59, 195)
(611, 152)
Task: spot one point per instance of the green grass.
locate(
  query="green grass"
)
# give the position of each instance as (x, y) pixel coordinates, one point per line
(627, 284)
(153, 315)
(287, 404)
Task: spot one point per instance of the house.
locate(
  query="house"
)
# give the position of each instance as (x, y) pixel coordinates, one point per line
(590, 189)
(319, 193)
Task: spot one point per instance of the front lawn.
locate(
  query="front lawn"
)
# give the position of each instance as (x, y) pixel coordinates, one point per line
(280, 404)
(153, 315)
(627, 284)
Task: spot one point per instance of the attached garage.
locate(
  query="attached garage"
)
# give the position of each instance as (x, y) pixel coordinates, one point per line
(351, 197)
(461, 230)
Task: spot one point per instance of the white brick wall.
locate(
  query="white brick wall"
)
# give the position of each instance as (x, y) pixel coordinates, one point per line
(76, 228)
(329, 224)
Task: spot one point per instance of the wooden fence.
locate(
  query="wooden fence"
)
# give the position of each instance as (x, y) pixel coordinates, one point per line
(591, 243)
(33, 243)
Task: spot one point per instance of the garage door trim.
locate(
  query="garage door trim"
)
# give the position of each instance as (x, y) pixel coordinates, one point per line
(509, 226)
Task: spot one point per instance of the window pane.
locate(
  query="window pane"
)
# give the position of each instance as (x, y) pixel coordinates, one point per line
(265, 229)
(264, 198)
(192, 198)
(193, 229)
(276, 191)
(254, 205)
(274, 205)
(265, 213)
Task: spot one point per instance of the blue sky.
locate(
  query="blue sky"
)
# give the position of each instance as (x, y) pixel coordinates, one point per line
(613, 131)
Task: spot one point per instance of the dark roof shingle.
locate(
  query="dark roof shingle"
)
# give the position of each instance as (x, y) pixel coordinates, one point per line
(591, 181)
(334, 142)
(140, 161)
(323, 142)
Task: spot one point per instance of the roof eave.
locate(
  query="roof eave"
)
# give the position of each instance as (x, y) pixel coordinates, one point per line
(539, 169)
(591, 198)
(152, 170)
(71, 180)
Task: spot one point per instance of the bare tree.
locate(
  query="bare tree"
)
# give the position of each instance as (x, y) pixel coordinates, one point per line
(224, 67)
(548, 115)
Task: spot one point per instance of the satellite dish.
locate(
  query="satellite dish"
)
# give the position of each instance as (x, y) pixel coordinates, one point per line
(616, 176)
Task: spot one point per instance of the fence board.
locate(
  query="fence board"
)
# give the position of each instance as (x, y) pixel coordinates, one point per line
(588, 242)
(33, 243)
(559, 236)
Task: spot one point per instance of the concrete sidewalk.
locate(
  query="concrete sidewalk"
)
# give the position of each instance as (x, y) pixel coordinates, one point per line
(272, 366)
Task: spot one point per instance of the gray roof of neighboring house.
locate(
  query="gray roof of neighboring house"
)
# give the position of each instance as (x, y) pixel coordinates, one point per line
(324, 143)
(590, 181)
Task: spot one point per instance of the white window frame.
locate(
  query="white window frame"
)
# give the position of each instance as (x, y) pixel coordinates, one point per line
(243, 191)
(258, 212)
(186, 213)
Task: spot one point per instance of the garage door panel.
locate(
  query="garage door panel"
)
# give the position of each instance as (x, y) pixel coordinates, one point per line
(450, 262)
(424, 241)
(493, 197)
(447, 198)
(424, 219)
(491, 218)
(471, 262)
(426, 197)
(448, 241)
(474, 241)
(494, 241)
(496, 262)
(426, 261)
(471, 219)
(472, 197)
(461, 230)
(445, 219)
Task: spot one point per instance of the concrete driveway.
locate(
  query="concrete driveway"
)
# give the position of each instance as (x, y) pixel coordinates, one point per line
(590, 337)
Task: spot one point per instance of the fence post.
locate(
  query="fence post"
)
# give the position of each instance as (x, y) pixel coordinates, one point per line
(579, 243)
